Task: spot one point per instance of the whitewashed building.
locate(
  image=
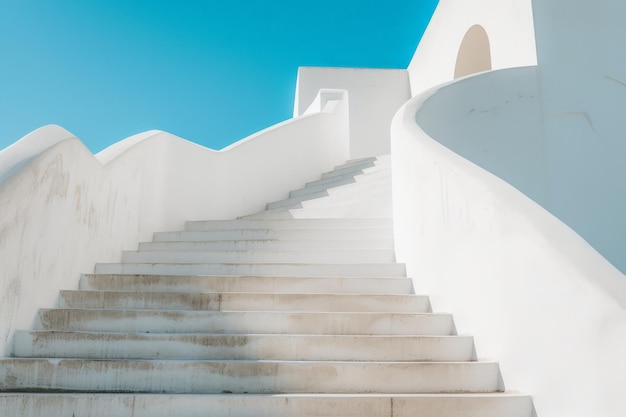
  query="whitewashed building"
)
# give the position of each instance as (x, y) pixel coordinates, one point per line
(486, 180)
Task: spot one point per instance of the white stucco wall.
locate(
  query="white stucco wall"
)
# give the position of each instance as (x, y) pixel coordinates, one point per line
(563, 147)
(509, 26)
(63, 210)
(536, 296)
(494, 120)
(582, 77)
(375, 96)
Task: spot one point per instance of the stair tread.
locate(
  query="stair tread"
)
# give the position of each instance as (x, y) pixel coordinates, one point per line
(261, 376)
(186, 321)
(243, 301)
(356, 269)
(497, 404)
(327, 348)
(285, 284)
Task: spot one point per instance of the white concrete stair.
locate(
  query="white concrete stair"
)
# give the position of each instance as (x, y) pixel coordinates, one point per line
(336, 256)
(322, 185)
(238, 301)
(360, 190)
(247, 376)
(355, 167)
(195, 346)
(289, 224)
(267, 405)
(263, 316)
(233, 283)
(260, 269)
(268, 244)
(244, 322)
(341, 175)
(268, 234)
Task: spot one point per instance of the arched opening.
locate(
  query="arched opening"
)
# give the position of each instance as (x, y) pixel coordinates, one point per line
(474, 54)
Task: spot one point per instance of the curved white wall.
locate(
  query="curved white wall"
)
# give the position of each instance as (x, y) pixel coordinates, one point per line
(494, 120)
(536, 296)
(582, 77)
(509, 27)
(63, 210)
(500, 121)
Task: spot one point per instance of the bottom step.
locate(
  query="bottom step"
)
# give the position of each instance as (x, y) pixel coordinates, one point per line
(101, 405)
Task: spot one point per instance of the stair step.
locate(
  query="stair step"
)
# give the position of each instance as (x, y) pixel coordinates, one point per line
(90, 345)
(355, 169)
(246, 284)
(339, 256)
(267, 269)
(291, 201)
(244, 322)
(326, 182)
(213, 376)
(269, 405)
(230, 301)
(283, 234)
(357, 161)
(239, 224)
(315, 188)
(279, 214)
(334, 178)
(331, 244)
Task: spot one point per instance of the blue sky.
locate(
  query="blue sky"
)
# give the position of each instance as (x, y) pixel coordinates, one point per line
(210, 71)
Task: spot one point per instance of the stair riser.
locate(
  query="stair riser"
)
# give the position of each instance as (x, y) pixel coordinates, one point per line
(229, 405)
(248, 376)
(292, 256)
(246, 284)
(244, 301)
(241, 347)
(284, 270)
(208, 225)
(272, 245)
(292, 234)
(152, 321)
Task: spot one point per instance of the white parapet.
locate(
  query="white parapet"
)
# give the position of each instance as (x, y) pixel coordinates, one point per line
(533, 292)
(64, 209)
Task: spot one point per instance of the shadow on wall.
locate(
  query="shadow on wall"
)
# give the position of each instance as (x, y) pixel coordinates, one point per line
(474, 54)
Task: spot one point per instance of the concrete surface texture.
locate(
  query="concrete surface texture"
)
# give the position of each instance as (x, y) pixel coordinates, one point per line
(500, 197)
(315, 339)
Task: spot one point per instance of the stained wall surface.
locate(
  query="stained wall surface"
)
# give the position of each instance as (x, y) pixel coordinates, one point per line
(64, 209)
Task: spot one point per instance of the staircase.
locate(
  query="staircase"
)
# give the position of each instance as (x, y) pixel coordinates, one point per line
(274, 314)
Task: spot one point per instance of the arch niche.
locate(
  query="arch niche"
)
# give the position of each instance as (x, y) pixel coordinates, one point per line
(474, 54)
